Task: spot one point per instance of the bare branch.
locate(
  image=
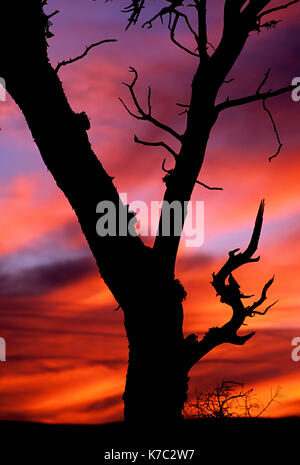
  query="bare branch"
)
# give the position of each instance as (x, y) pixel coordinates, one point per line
(189, 26)
(170, 10)
(267, 25)
(273, 398)
(172, 28)
(265, 311)
(52, 14)
(235, 259)
(267, 73)
(197, 182)
(228, 399)
(164, 11)
(252, 98)
(208, 187)
(135, 9)
(156, 144)
(228, 289)
(183, 105)
(184, 112)
(275, 130)
(129, 111)
(269, 114)
(263, 297)
(142, 115)
(186, 109)
(281, 7)
(72, 60)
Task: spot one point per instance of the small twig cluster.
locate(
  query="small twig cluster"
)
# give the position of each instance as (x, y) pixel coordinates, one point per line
(229, 399)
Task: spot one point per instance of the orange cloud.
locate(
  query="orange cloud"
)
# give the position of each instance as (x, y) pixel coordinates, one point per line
(30, 212)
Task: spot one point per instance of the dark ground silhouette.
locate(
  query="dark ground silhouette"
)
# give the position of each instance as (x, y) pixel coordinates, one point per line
(214, 441)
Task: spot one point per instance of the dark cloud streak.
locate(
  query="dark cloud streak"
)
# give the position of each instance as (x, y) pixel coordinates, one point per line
(45, 278)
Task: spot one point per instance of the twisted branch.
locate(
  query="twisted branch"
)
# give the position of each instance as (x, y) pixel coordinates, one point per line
(228, 289)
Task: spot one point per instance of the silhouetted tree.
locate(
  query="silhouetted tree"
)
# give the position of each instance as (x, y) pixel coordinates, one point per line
(141, 279)
(229, 399)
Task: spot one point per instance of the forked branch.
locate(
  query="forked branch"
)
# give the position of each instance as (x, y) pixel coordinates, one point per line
(230, 103)
(134, 10)
(229, 291)
(172, 28)
(156, 144)
(141, 113)
(168, 10)
(260, 96)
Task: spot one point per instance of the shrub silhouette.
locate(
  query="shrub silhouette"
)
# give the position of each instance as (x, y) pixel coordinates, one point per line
(229, 399)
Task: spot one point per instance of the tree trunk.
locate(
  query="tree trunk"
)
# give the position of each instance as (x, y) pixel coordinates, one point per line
(156, 380)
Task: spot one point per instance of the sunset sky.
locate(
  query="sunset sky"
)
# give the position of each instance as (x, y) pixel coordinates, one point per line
(66, 346)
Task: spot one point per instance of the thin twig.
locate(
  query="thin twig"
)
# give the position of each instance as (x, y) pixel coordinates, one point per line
(267, 73)
(53, 14)
(275, 130)
(208, 187)
(72, 60)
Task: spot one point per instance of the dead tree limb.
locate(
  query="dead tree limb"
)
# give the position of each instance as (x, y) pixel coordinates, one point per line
(73, 60)
(278, 8)
(228, 289)
(275, 130)
(156, 144)
(172, 29)
(252, 98)
(142, 114)
(168, 10)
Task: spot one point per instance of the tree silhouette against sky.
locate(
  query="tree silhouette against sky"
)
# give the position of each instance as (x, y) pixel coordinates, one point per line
(142, 279)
